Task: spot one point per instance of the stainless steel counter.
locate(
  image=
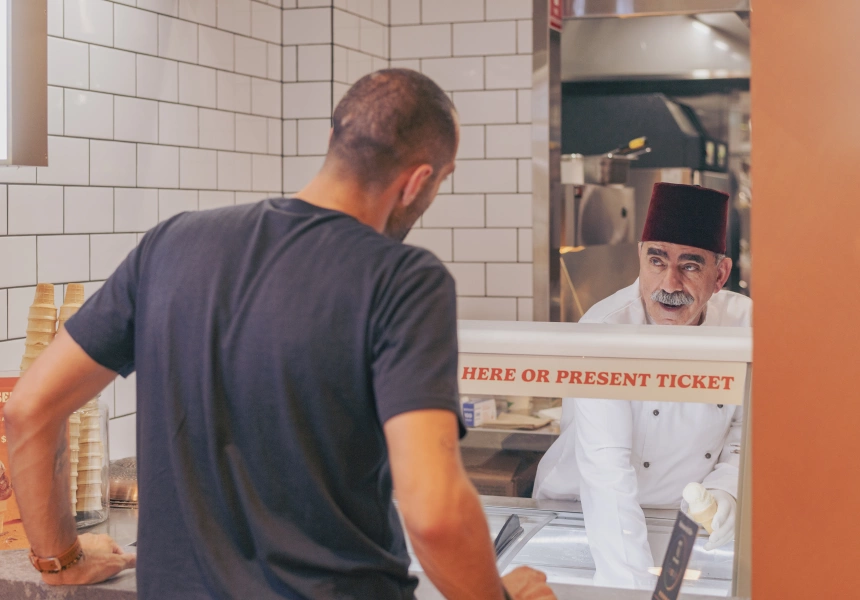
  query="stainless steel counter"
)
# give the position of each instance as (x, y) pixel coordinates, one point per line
(18, 579)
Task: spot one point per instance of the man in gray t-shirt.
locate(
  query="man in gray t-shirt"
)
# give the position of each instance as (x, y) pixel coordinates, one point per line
(294, 362)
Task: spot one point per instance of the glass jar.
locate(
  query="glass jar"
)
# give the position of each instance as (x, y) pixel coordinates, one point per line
(88, 446)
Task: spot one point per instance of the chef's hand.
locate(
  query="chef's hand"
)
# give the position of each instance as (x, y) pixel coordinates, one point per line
(724, 521)
(103, 559)
(525, 583)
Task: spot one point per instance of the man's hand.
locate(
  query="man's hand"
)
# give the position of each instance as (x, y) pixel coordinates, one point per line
(102, 560)
(723, 523)
(524, 583)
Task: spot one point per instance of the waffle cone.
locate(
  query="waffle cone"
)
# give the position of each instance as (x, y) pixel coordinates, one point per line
(38, 311)
(89, 490)
(39, 338)
(74, 294)
(88, 436)
(42, 324)
(90, 421)
(26, 363)
(90, 478)
(89, 463)
(44, 294)
(89, 504)
(75, 417)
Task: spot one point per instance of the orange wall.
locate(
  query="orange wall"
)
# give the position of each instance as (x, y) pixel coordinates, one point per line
(806, 282)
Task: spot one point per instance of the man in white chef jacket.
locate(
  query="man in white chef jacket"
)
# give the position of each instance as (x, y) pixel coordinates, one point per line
(617, 456)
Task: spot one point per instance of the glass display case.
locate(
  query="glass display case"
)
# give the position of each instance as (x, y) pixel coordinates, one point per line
(513, 377)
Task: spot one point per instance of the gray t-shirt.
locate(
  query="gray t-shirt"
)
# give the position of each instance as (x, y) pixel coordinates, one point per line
(271, 342)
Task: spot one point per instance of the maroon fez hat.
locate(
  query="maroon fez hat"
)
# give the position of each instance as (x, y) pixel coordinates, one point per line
(688, 215)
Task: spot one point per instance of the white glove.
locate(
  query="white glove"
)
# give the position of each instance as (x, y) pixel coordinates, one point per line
(724, 521)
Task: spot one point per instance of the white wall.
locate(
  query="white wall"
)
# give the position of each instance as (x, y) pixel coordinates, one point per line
(480, 226)
(160, 106)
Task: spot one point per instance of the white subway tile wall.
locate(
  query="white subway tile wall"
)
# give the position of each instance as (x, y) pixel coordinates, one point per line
(162, 106)
(144, 99)
(481, 53)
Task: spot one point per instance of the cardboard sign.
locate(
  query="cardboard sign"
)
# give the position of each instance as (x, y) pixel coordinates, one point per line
(12, 536)
(677, 556)
(556, 15)
(612, 379)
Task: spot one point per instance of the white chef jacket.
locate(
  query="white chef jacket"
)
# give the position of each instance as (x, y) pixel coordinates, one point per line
(617, 456)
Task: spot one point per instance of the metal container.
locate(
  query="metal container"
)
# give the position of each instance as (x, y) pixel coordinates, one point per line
(123, 482)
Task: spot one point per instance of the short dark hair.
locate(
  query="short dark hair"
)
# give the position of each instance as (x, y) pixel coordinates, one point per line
(392, 119)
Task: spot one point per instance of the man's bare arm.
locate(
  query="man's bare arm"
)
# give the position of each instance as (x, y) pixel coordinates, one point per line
(62, 380)
(443, 514)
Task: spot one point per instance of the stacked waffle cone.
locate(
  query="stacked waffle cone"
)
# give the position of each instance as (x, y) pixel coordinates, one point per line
(41, 324)
(90, 459)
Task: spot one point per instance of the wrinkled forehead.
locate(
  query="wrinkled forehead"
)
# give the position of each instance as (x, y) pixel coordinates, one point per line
(675, 251)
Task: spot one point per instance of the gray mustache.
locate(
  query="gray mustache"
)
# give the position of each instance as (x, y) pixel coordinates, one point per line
(673, 299)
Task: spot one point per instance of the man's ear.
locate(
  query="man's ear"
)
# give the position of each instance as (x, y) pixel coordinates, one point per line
(724, 269)
(415, 183)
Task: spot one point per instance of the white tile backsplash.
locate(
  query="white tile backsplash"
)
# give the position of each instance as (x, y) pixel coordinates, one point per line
(112, 71)
(307, 26)
(173, 202)
(315, 62)
(509, 210)
(21, 269)
(125, 397)
(167, 7)
(88, 210)
(486, 107)
(524, 106)
(68, 162)
(251, 56)
(135, 29)
(509, 9)
(251, 133)
(157, 166)
(265, 172)
(514, 279)
(135, 209)
(197, 85)
(298, 170)
(289, 64)
(265, 97)
(157, 78)
(509, 71)
(274, 136)
(113, 163)
(313, 136)
(307, 100)
(265, 23)
(88, 114)
(525, 309)
(55, 111)
(136, 120)
(437, 241)
(198, 169)
(234, 92)
(3, 213)
(88, 21)
(487, 309)
(108, 251)
(453, 74)
(216, 48)
(452, 11)
(485, 245)
(273, 61)
(526, 251)
(209, 200)
(482, 39)
(35, 209)
(290, 138)
(177, 39)
(177, 124)
(509, 141)
(421, 41)
(524, 177)
(456, 210)
(4, 309)
(68, 63)
(199, 11)
(469, 278)
(63, 258)
(347, 30)
(234, 171)
(525, 45)
(471, 142)
(217, 129)
(477, 176)
(405, 12)
(122, 433)
(55, 20)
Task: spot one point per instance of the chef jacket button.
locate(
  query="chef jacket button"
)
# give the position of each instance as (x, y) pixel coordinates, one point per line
(656, 412)
(708, 455)
(647, 464)
(719, 405)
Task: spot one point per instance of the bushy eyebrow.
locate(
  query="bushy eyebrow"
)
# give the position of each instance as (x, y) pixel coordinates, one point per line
(657, 252)
(697, 258)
